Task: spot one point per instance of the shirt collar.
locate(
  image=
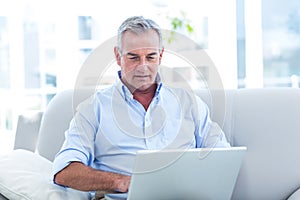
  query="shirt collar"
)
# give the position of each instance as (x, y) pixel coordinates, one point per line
(124, 91)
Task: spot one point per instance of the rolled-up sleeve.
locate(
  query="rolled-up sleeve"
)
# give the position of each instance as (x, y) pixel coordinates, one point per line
(65, 157)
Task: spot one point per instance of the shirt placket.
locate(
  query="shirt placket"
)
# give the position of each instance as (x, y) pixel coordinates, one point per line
(148, 133)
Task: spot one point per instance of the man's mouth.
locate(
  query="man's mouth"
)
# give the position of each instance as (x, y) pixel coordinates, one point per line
(142, 76)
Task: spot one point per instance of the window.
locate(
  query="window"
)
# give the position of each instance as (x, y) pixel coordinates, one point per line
(240, 35)
(31, 55)
(281, 43)
(85, 27)
(4, 54)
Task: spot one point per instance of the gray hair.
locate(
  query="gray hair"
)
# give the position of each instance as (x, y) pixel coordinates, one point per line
(138, 24)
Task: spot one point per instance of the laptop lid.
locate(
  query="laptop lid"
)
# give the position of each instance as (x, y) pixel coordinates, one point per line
(207, 173)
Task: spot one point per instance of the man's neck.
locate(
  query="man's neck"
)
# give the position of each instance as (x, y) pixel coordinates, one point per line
(145, 96)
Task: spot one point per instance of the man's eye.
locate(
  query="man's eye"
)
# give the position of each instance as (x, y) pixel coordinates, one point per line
(152, 58)
(133, 58)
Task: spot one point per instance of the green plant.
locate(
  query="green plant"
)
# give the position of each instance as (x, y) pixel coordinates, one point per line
(180, 24)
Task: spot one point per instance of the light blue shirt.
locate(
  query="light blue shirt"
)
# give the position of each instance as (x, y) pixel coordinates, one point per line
(109, 127)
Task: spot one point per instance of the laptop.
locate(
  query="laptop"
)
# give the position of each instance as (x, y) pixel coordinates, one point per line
(205, 173)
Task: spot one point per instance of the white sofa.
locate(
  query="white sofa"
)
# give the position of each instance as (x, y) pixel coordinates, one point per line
(267, 121)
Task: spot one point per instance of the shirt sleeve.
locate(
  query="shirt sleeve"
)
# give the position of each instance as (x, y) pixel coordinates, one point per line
(208, 133)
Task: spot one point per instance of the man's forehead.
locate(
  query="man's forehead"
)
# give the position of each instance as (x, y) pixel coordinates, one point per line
(144, 41)
(141, 51)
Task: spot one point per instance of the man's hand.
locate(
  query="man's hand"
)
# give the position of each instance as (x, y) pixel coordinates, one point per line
(122, 183)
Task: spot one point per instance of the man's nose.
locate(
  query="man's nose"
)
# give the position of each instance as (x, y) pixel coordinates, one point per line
(143, 61)
(142, 67)
(143, 64)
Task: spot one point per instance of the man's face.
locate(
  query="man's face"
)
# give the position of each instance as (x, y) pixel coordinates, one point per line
(139, 59)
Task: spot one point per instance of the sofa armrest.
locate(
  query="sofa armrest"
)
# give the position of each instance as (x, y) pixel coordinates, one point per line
(27, 131)
(295, 195)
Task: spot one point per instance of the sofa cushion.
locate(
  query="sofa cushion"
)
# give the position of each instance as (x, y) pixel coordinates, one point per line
(25, 175)
(27, 131)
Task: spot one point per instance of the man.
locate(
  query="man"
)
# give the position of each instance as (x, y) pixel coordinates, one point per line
(137, 112)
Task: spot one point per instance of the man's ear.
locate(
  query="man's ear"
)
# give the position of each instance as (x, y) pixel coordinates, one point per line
(161, 54)
(117, 55)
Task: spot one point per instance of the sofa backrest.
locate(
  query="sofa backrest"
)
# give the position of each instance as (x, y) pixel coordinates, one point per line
(267, 122)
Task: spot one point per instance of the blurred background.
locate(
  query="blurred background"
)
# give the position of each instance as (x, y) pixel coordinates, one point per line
(43, 45)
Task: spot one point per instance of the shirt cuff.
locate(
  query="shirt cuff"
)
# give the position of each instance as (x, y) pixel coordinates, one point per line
(64, 158)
